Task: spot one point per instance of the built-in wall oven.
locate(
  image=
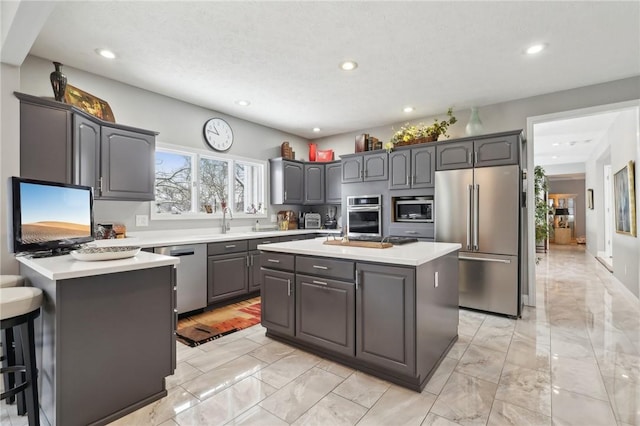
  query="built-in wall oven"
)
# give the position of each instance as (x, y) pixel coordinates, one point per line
(364, 215)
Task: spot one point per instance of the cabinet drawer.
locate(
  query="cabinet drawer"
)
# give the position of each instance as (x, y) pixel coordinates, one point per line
(418, 230)
(226, 247)
(273, 260)
(296, 237)
(253, 244)
(339, 269)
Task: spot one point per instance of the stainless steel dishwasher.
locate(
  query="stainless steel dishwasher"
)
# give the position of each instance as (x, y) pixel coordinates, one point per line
(192, 275)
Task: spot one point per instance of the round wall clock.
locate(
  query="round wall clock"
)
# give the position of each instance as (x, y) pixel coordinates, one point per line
(218, 134)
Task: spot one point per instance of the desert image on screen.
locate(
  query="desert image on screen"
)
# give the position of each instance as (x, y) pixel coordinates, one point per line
(47, 231)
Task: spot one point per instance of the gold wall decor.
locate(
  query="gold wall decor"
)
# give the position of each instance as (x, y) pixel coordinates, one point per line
(88, 103)
(624, 194)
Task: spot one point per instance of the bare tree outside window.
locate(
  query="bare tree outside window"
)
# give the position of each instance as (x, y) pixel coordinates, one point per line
(173, 182)
(214, 183)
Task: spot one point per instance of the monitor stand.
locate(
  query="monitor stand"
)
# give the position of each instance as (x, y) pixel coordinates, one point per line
(61, 251)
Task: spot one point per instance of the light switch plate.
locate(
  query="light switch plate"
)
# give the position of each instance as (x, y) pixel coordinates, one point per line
(142, 220)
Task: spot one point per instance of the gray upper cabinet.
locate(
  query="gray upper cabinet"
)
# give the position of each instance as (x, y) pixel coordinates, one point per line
(128, 165)
(333, 182)
(61, 143)
(456, 155)
(497, 150)
(412, 168)
(287, 181)
(86, 150)
(365, 167)
(314, 183)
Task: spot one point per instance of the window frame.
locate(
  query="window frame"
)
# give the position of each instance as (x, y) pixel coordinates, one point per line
(196, 155)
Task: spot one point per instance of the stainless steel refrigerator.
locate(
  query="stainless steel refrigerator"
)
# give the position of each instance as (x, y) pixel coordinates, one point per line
(480, 209)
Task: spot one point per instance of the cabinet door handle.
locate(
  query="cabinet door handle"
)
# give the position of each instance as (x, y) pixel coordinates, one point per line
(251, 260)
(320, 267)
(469, 160)
(230, 246)
(248, 261)
(288, 287)
(475, 157)
(319, 282)
(357, 279)
(101, 189)
(413, 180)
(273, 260)
(285, 195)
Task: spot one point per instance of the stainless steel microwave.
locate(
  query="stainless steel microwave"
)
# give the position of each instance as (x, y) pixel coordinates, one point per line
(414, 210)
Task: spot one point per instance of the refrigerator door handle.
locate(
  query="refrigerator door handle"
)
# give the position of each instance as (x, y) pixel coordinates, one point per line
(476, 211)
(469, 203)
(484, 259)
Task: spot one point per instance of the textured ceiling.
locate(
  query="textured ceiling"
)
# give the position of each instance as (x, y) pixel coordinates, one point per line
(283, 56)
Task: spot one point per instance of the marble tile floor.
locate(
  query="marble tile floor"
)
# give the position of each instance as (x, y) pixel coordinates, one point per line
(574, 359)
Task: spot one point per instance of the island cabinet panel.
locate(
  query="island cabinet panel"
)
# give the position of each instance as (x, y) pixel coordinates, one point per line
(385, 317)
(227, 276)
(278, 300)
(325, 313)
(254, 270)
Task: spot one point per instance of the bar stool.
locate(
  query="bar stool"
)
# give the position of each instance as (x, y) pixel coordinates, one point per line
(9, 344)
(19, 306)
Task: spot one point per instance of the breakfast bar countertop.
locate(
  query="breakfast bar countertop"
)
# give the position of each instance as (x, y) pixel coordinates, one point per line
(413, 254)
(64, 267)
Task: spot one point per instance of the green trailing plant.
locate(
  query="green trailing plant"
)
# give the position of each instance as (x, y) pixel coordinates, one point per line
(411, 132)
(541, 187)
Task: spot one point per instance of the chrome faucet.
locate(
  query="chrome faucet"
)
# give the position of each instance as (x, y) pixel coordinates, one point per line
(225, 224)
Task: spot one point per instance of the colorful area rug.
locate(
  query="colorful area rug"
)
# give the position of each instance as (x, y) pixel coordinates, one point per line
(210, 325)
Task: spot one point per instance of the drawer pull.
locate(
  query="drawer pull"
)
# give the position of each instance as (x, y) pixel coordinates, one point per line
(273, 260)
(230, 246)
(266, 242)
(320, 267)
(410, 232)
(319, 282)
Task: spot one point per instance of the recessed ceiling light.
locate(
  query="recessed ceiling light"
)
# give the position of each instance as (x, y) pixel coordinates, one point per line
(536, 48)
(408, 109)
(349, 65)
(556, 143)
(316, 129)
(243, 102)
(106, 53)
(554, 157)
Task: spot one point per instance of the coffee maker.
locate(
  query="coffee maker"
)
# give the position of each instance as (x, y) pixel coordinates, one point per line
(330, 221)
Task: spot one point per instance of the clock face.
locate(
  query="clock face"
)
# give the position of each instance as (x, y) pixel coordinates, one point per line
(218, 134)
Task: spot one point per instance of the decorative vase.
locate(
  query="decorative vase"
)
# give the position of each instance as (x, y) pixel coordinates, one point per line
(58, 82)
(474, 126)
(312, 151)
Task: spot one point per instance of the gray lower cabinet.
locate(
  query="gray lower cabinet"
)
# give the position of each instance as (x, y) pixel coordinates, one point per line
(254, 271)
(314, 183)
(325, 313)
(61, 143)
(278, 299)
(226, 276)
(333, 183)
(386, 340)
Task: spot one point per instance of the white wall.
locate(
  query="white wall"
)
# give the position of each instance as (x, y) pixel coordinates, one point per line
(625, 143)
(594, 219)
(178, 123)
(9, 157)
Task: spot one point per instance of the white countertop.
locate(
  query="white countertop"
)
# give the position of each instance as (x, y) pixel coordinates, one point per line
(412, 254)
(174, 237)
(64, 267)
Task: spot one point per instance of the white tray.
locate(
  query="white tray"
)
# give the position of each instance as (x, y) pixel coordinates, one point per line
(105, 253)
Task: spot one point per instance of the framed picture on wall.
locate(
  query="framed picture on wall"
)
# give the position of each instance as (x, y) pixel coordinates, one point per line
(625, 201)
(590, 198)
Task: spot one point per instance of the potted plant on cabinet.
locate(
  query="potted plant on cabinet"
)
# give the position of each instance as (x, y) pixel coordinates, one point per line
(412, 134)
(542, 209)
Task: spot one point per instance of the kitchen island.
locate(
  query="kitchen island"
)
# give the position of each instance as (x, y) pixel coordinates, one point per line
(390, 312)
(105, 337)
